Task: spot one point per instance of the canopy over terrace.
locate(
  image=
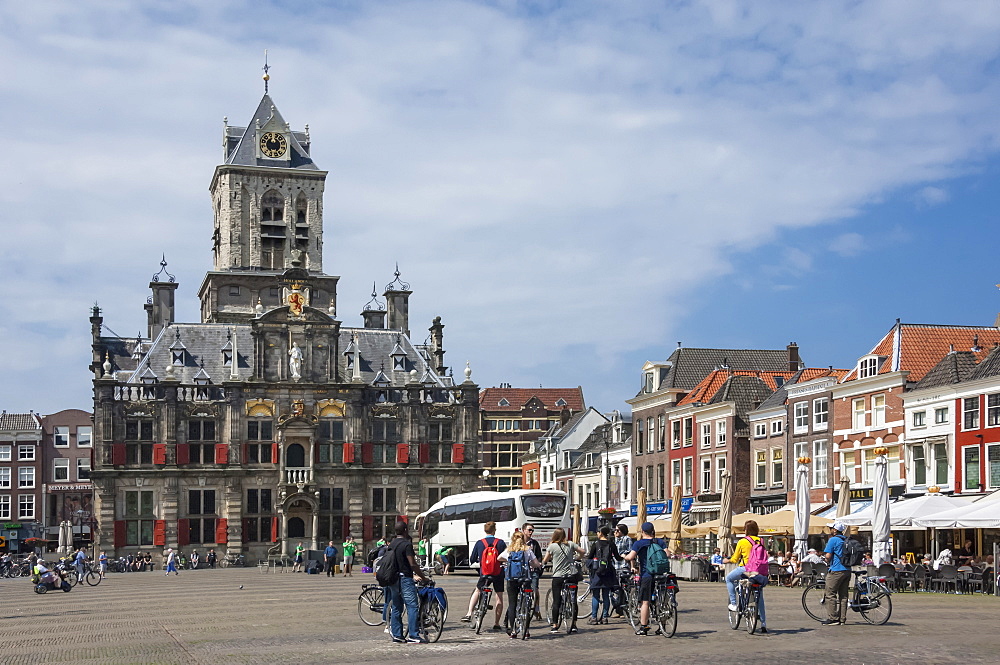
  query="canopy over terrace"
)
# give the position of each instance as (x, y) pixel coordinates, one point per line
(903, 513)
(778, 523)
(983, 514)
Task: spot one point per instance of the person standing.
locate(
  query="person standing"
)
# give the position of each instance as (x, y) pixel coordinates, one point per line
(838, 578)
(602, 558)
(330, 553)
(561, 553)
(300, 552)
(528, 529)
(350, 547)
(639, 553)
(444, 556)
(487, 553)
(422, 553)
(171, 563)
(404, 591)
(80, 559)
(102, 561)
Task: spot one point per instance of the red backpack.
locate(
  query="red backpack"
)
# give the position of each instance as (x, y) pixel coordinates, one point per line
(757, 559)
(489, 563)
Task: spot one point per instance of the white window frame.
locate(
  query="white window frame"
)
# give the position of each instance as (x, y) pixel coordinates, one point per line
(975, 413)
(820, 464)
(848, 464)
(878, 411)
(760, 469)
(25, 477)
(777, 478)
(688, 428)
(919, 419)
(720, 432)
(868, 366)
(675, 473)
(84, 437)
(802, 449)
(706, 473)
(63, 464)
(688, 487)
(650, 435)
(760, 430)
(777, 427)
(25, 452)
(991, 458)
(60, 437)
(941, 415)
(720, 468)
(24, 500)
(5, 477)
(6, 452)
(858, 420)
(5, 507)
(706, 435)
(821, 414)
(993, 410)
(965, 468)
(800, 422)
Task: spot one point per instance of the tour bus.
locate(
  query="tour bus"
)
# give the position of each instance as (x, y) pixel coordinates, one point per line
(457, 520)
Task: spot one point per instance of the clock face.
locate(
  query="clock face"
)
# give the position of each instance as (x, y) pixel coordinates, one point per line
(273, 144)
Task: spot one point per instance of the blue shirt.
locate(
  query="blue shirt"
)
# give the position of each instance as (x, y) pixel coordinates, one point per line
(835, 546)
(716, 559)
(80, 557)
(640, 546)
(330, 551)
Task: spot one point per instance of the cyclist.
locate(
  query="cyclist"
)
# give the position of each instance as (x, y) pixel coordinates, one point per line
(488, 550)
(638, 554)
(521, 563)
(561, 553)
(602, 559)
(745, 563)
(838, 578)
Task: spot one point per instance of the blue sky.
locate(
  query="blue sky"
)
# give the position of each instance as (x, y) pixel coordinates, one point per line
(573, 187)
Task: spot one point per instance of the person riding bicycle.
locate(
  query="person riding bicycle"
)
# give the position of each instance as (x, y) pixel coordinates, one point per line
(638, 554)
(486, 553)
(521, 563)
(838, 577)
(561, 553)
(602, 559)
(747, 565)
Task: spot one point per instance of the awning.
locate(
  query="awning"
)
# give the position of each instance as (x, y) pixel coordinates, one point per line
(706, 508)
(831, 512)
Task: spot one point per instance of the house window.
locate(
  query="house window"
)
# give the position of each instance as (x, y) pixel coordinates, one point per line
(441, 437)
(60, 437)
(435, 494)
(640, 432)
(970, 467)
(941, 464)
(993, 410)
(848, 462)
(878, 411)
(993, 466)
(919, 457)
(178, 357)
(201, 430)
(25, 453)
(760, 476)
(647, 382)
(5, 477)
(819, 462)
(801, 421)
(688, 475)
(706, 474)
(675, 434)
(259, 504)
(560, 402)
(26, 476)
(4, 506)
(688, 431)
(760, 430)
(868, 367)
(720, 468)
(821, 414)
(638, 477)
(651, 491)
(82, 469)
(777, 427)
(139, 517)
(260, 430)
(941, 416)
(919, 418)
(661, 481)
(650, 443)
(675, 472)
(84, 437)
(801, 449)
(706, 435)
(234, 290)
(970, 413)
(662, 428)
(26, 506)
(201, 506)
(5, 453)
(858, 413)
(777, 470)
(139, 430)
(720, 432)
(60, 469)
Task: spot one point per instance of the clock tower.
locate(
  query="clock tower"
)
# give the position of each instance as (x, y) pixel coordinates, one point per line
(267, 200)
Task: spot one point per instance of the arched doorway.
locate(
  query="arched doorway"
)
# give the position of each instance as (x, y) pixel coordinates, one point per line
(295, 456)
(296, 527)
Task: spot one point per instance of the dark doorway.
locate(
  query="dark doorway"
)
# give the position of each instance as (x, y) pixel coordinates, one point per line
(295, 456)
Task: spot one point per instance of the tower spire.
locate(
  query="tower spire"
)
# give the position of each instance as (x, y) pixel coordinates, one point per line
(266, 77)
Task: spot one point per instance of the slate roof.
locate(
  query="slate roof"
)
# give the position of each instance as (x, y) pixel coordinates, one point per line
(20, 421)
(688, 366)
(917, 348)
(203, 343)
(489, 398)
(990, 365)
(717, 381)
(954, 367)
(241, 148)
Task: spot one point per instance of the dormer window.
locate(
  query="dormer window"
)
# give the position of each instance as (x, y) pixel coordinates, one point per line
(868, 366)
(227, 358)
(399, 363)
(178, 357)
(503, 402)
(350, 362)
(560, 402)
(647, 382)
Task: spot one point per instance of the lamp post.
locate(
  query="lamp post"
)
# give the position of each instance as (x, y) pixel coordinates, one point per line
(606, 438)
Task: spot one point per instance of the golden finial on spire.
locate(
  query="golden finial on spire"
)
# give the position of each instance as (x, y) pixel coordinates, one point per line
(266, 76)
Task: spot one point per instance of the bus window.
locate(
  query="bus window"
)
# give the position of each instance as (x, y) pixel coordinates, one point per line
(482, 512)
(464, 512)
(431, 523)
(449, 512)
(544, 505)
(503, 510)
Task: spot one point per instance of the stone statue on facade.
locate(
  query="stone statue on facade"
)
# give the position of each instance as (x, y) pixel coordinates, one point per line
(295, 361)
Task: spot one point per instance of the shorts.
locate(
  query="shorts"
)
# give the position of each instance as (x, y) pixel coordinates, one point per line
(349, 560)
(645, 588)
(495, 580)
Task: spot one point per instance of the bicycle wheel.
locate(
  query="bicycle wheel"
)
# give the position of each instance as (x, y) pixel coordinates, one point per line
(433, 615)
(521, 616)
(92, 578)
(814, 601)
(370, 604)
(750, 617)
(666, 613)
(548, 607)
(633, 607)
(876, 608)
(569, 612)
(480, 614)
(72, 578)
(583, 591)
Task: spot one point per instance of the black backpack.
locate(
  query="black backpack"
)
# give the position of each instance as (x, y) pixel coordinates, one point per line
(852, 553)
(386, 567)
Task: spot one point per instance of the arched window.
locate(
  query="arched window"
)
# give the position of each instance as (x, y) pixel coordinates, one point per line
(296, 527)
(295, 456)
(272, 231)
(272, 207)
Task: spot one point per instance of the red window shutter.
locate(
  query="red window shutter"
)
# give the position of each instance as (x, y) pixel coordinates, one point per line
(183, 453)
(159, 454)
(119, 533)
(402, 453)
(348, 453)
(222, 453)
(118, 454)
(347, 525)
(316, 452)
(366, 453)
(424, 453)
(222, 531)
(244, 458)
(368, 527)
(160, 532)
(183, 532)
(458, 453)
(274, 453)
(274, 529)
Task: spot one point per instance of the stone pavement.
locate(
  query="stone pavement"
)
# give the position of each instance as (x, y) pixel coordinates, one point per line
(204, 617)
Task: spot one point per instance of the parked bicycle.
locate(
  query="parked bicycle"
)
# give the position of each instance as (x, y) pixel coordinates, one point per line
(663, 606)
(747, 599)
(433, 610)
(371, 604)
(872, 598)
(482, 606)
(233, 560)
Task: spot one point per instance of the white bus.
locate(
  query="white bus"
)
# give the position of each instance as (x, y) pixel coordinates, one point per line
(457, 520)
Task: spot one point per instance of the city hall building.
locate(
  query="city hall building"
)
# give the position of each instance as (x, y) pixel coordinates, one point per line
(270, 422)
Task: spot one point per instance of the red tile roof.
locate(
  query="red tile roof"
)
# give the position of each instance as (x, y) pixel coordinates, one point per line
(917, 348)
(810, 373)
(490, 398)
(706, 389)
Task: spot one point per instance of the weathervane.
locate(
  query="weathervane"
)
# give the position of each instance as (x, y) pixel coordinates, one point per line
(266, 77)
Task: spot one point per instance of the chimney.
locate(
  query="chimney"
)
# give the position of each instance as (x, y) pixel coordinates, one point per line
(160, 311)
(437, 345)
(794, 362)
(374, 312)
(397, 298)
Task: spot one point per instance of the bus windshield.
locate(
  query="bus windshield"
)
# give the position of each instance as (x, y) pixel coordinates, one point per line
(544, 505)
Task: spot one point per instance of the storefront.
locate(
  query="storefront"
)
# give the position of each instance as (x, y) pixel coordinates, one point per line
(73, 503)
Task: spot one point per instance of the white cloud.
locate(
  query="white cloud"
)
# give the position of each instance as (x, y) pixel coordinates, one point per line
(932, 196)
(848, 244)
(550, 180)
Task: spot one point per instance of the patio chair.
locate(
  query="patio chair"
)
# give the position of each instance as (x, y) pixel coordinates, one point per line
(806, 573)
(888, 571)
(774, 571)
(989, 580)
(947, 577)
(872, 570)
(921, 578)
(974, 581)
(820, 570)
(905, 578)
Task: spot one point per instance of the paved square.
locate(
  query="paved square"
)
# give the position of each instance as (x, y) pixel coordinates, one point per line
(204, 617)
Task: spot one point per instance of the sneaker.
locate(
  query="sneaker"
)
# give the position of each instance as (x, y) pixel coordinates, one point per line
(387, 631)
(466, 619)
(763, 630)
(642, 630)
(731, 607)
(553, 629)
(573, 631)
(416, 640)
(829, 622)
(398, 640)
(497, 628)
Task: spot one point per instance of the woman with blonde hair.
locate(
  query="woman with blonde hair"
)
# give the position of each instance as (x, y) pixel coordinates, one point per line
(520, 559)
(561, 554)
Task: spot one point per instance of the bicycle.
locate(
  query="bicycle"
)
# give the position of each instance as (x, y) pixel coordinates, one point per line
(482, 606)
(568, 611)
(371, 603)
(237, 560)
(90, 576)
(433, 610)
(524, 609)
(747, 598)
(663, 606)
(872, 598)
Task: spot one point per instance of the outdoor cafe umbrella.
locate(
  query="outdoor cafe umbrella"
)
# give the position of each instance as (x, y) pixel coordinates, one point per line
(881, 548)
(803, 509)
(725, 543)
(65, 537)
(640, 510)
(844, 500)
(675, 521)
(577, 536)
